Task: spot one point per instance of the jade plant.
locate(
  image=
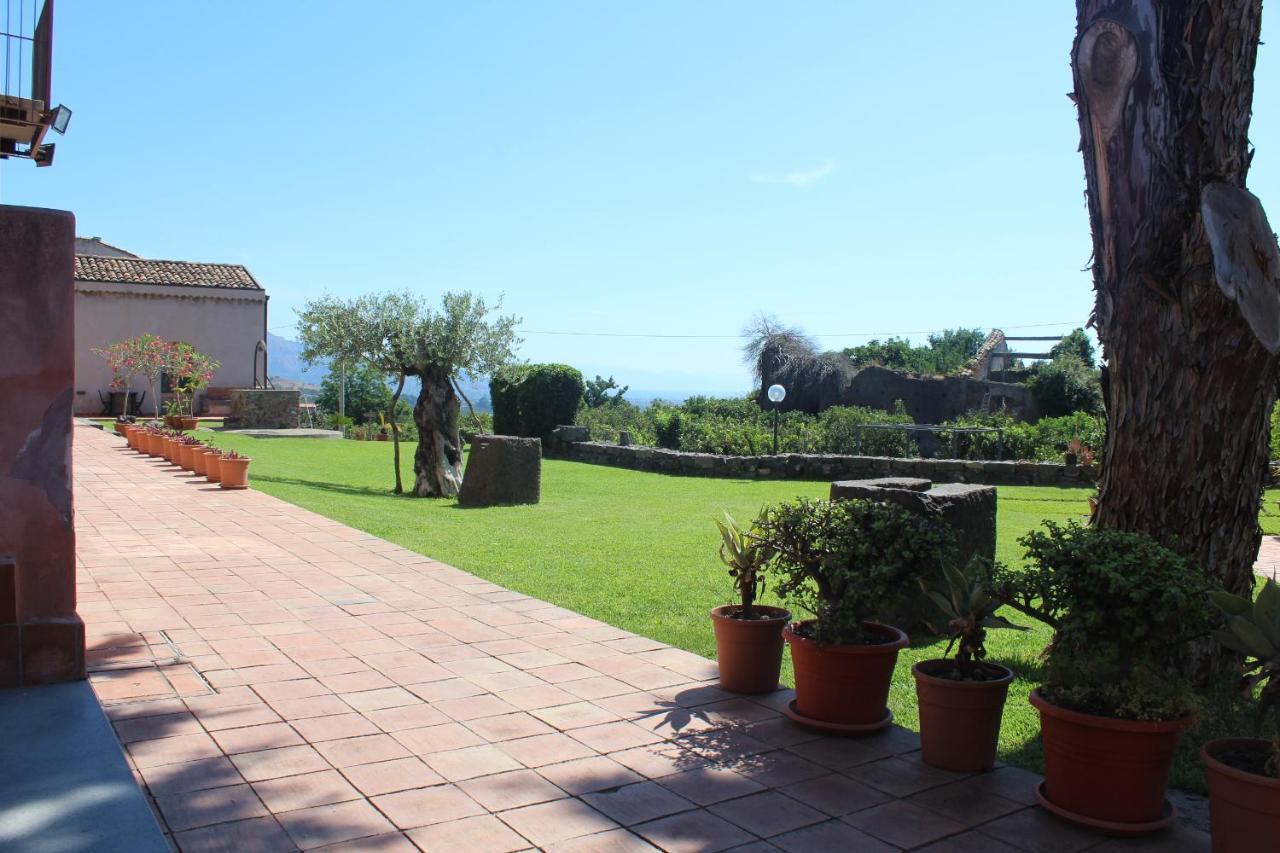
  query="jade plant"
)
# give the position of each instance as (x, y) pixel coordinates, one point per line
(1253, 630)
(848, 561)
(963, 598)
(1122, 608)
(745, 554)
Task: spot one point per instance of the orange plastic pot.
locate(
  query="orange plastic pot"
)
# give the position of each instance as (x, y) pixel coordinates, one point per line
(198, 454)
(234, 473)
(212, 468)
(188, 424)
(749, 652)
(155, 444)
(169, 447)
(185, 454)
(845, 685)
(959, 720)
(1105, 773)
(1244, 808)
(121, 428)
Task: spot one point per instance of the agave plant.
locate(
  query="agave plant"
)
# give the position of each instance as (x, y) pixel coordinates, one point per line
(746, 556)
(1253, 630)
(964, 598)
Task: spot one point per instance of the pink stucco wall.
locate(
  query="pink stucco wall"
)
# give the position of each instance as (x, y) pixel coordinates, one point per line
(226, 323)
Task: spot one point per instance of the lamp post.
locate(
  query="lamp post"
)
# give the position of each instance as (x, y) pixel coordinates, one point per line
(776, 395)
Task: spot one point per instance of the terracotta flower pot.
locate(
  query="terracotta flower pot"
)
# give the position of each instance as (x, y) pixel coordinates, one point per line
(959, 720)
(155, 444)
(188, 424)
(749, 652)
(198, 454)
(1244, 807)
(234, 473)
(121, 428)
(185, 454)
(212, 468)
(170, 446)
(1105, 773)
(844, 688)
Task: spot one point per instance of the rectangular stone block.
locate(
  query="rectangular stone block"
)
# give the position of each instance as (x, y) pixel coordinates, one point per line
(53, 651)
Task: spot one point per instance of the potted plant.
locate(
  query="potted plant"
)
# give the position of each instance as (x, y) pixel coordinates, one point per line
(1244, 773)
(1115, 693)
(155, 441)
(212, 466)
(384, 429)
(748, 635)
(187, 451)
(846, 562)
(961, 699)
(233, 470)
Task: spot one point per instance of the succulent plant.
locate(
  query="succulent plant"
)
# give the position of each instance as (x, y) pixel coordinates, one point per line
(1253, 630)
(964, 599)
(746, 555)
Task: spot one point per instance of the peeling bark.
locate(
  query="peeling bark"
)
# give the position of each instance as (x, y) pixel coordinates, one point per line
(1164, 93)
(437, 465)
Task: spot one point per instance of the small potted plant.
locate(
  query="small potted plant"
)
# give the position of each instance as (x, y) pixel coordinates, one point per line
(961, 699)
(233, 470)
(1244, 773)
(212, 465)
(748, 635)
(846, 562)
(187, 457)
(384, 429)
(1115, 694)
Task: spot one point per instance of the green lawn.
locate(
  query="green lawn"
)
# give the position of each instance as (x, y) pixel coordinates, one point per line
(632, 549)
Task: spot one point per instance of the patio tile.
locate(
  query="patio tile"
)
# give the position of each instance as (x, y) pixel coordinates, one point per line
(613, 737)
(387, 777)
(574, 716)
(767, 813)
(195, 809)
(150, 728)
(335, 727)
(1036, 831)
(904, 824)
(510, 790)
(559, 820)
(255, 738)
(217, 719)
(332, 823)
(969, 842)
(274, 763)
(470, 762)
(832, 835)
(632, 804)
(391, 842)
(965, 803)
(432, 739)
(173, 750)
(361, 750)
(541, 750)
(309, 789)
(508, 727)
(425, 806)
(404, 717)
(901, 778)
(261, 835)
(473, 707)
(190, 776)
(479, 834)
(532, 698)
(588, 774)
(660, 759)
(612, 841)
(691, 832)
(373, 700)
(707, 785)
(836, 795)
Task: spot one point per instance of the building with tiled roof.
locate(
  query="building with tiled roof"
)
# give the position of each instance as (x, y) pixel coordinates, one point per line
(220, 309)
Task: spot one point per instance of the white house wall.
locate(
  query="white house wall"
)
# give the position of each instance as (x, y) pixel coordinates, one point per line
(225, 323)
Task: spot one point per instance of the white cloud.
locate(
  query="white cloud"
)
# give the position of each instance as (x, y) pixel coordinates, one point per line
(799, 178)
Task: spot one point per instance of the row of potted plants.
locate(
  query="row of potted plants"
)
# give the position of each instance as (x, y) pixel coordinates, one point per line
(225, 467)
(1115, 692)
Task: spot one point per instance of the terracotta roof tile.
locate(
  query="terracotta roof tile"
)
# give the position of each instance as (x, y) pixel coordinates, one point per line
(173, 273)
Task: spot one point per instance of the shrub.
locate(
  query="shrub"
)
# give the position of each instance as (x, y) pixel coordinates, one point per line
(1064, 386)
(605, 422)
(850, 561)
(838, 434)
(1122, 608)
(533, 399)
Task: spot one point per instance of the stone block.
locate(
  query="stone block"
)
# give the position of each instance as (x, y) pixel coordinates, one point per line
(263, 408)
(871, 489)
(502, 469)
(624, 438)
(571, 434)
(970, 512)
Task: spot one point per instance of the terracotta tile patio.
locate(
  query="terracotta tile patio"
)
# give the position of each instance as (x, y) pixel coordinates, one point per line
(281, 681)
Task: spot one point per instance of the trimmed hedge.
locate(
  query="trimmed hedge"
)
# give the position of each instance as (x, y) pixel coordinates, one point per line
(531, 400)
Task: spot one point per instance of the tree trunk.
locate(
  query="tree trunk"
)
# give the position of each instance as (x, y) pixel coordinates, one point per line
(1185, 276)
(437, 466)
(395, 429)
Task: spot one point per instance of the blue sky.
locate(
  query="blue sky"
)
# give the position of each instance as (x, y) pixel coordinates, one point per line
(624, 168)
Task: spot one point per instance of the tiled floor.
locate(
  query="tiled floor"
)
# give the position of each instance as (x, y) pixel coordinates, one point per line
(1268, 563)
(281, 681)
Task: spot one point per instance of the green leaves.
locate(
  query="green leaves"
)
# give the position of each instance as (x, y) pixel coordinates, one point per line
(746, 555)
(963, 597)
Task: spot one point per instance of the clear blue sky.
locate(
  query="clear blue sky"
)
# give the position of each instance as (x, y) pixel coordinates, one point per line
(661, 167)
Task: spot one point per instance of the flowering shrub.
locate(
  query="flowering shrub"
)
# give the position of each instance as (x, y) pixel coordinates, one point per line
(151, 356)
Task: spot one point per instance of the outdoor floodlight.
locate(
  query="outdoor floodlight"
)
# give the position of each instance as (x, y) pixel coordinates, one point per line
(44, 155)
(777, 393)
(61, 118)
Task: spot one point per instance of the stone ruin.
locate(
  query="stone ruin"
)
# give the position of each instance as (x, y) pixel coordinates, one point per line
(970, 511)
(502, 469)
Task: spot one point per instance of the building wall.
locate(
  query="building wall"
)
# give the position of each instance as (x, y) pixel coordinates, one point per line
(225, 323)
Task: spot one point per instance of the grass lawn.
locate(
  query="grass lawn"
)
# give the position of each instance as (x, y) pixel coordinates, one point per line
(635, 550)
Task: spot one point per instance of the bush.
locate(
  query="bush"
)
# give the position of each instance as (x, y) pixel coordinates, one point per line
(1122, 608)
(533, 399)
(1065, 386)
(1044, 441)
(838, 433)
(605, 422)
(851, 561)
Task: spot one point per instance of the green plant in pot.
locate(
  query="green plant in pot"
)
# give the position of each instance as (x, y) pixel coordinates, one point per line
(847, 562)
(1115, 693)
(961, 698)
(748, 635)
(1244, 773)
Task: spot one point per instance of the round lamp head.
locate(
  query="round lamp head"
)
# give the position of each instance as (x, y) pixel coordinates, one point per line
(777, 393)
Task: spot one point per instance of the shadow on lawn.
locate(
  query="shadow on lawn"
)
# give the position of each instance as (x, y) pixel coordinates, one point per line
(338, 488)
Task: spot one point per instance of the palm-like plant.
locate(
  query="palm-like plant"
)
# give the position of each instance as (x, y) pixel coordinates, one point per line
(746, 555)
(1253, 630)
(963, 597)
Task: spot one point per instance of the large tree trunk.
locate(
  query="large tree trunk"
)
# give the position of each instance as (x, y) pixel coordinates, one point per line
(1185, 276)
(437, 466)
(395, 429)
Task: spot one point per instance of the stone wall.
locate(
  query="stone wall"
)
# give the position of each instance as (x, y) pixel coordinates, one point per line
(797, 466)
(263, 408)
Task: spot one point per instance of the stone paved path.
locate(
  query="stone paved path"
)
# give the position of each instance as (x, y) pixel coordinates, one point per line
(1268, 563)
(281, 681)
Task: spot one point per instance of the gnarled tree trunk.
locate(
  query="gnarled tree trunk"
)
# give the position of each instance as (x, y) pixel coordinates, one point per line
(395, 429)
(437, 465)
(1185, 273)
